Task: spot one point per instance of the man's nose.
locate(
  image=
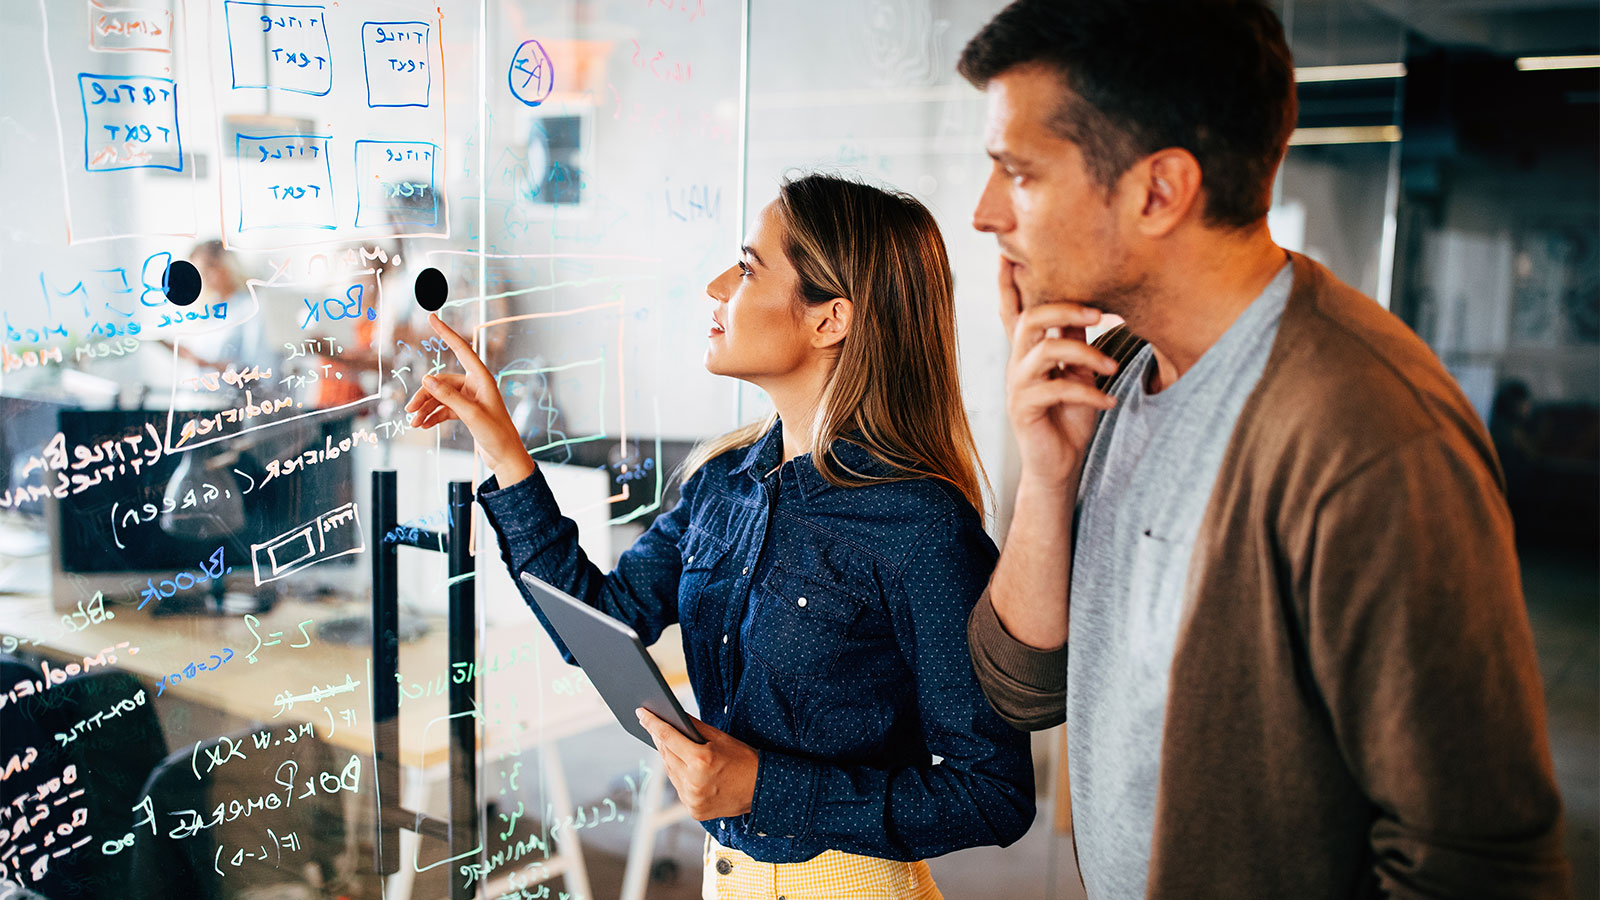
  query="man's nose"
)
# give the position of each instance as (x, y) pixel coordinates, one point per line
(993, 212)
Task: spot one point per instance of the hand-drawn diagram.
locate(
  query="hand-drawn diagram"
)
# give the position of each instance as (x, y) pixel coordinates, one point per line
(395, 183)
(285, 180)
(298, 56)
(130, 122)
(201, 415)
(117, 29)
(396, 58)
(336, 532)
(532, 76)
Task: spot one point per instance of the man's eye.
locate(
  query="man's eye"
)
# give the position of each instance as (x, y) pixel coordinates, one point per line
(744, 269)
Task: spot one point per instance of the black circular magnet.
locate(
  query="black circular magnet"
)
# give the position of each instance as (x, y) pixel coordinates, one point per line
(181, 283)
(431, 289)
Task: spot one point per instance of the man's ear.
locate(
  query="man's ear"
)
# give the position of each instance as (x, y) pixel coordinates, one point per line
(830, 322)
(1167, 187)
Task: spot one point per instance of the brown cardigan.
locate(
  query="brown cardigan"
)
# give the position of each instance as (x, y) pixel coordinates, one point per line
(1354, 704)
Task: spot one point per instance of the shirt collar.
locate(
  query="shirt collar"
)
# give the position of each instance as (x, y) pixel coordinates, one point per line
(767, 453)
(764, 455)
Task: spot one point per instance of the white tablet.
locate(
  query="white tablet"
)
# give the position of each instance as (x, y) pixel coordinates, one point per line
(614, 659)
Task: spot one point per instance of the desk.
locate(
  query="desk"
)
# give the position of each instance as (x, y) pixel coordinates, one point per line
(516, 658)
(248, 691)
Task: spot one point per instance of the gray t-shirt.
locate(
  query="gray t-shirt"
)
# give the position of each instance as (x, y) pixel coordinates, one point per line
(1146, 483)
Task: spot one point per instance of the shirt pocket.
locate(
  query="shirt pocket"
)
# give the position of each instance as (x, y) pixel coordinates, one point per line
(800, 624)
(702, 552)
(1159, 577)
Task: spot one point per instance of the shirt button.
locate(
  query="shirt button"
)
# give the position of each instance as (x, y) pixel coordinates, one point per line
(724, 639)
(724, 867)
(746, 571)
(724, 709)
(801, 602)
(690, 560)
(724, 827)
(761, 834)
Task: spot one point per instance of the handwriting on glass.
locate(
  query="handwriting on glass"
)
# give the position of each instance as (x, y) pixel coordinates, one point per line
(251, 622)
(205, 572)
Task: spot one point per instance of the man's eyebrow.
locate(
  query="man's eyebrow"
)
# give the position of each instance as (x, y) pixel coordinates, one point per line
(750, 251)
(1004, 158)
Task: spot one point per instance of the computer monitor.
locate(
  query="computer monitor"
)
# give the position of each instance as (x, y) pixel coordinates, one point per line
(138, 522)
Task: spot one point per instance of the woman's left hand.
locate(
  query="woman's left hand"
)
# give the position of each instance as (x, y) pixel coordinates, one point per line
(716, 779)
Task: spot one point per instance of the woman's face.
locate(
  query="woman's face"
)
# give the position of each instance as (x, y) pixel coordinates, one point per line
(757, 330)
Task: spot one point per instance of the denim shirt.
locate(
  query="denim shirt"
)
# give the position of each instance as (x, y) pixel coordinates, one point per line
(826, 628)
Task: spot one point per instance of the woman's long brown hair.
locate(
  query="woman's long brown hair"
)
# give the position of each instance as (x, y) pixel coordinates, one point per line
(895, 386)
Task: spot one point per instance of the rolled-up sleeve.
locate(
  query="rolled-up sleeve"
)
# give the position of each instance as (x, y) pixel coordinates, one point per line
(1026, 686)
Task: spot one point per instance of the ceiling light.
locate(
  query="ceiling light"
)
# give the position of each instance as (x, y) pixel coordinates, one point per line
(1533, 63)
(1307, 74)
(1345, 134)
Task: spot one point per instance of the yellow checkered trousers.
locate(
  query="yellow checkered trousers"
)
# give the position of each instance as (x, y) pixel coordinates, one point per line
(833, 875)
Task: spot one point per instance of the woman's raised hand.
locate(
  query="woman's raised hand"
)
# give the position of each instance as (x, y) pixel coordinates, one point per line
(473, 398)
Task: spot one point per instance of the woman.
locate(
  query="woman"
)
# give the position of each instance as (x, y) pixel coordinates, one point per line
(822, 563)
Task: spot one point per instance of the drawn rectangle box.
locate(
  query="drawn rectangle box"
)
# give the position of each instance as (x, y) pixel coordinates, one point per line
(299, 543)
(335, 533)
(121, 29)
(129, 122)
(295, 55)
(395, 183)
(596, 376)
(537, 382)
(285, 181)
(397, 59)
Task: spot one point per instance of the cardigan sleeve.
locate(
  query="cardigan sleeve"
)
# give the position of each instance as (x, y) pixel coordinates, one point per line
(1026, 686)
(1420, 645)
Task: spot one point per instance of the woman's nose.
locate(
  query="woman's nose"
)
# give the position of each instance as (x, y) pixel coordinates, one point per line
(718, 288)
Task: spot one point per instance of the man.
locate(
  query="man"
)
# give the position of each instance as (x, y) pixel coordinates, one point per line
(1265, 517)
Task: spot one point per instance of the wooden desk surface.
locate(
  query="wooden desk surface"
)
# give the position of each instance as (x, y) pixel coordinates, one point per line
(535, 697)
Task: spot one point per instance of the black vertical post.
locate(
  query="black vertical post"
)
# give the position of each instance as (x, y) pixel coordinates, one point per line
(463, 725)
(385, 664)
(461, 831)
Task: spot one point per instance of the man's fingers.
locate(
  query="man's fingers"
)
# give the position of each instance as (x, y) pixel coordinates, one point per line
(1010, 297)
(1034, 398)
(1060, 353)
(1034, 323)
(463, 350)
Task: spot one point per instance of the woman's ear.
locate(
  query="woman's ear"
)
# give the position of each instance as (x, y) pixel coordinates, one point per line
(830, 322)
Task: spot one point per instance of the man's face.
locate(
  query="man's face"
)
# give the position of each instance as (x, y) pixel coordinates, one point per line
(1052, 219)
